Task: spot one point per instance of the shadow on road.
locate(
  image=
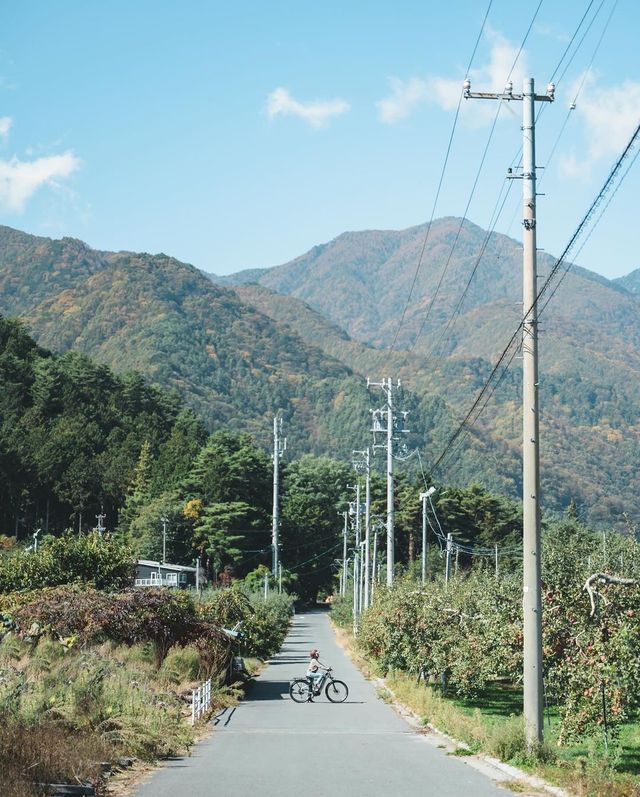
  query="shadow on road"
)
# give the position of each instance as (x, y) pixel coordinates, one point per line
(268, 690)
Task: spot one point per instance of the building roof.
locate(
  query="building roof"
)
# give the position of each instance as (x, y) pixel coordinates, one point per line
(166, 566)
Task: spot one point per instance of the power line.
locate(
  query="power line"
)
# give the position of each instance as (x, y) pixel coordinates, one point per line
(495, 217)
(559, 262)
(585, 74)
(568, 47)
(519, 153)
(313, 558)
(437, 196)
(594, 206)
(572, 105)
(473, 189)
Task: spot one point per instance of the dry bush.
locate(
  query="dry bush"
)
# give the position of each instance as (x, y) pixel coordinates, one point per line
(48, 753)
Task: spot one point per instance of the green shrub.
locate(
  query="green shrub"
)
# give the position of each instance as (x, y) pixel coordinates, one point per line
(342, 611)
(181, 664)
(264, 624)
(101, 561)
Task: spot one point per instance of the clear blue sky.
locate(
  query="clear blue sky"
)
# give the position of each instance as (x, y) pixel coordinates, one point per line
(240, 135)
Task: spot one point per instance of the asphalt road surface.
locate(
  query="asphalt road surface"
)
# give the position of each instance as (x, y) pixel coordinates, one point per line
(271, 746)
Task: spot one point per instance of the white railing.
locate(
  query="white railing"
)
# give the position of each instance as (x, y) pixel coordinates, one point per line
(167, 580)
(200, 701)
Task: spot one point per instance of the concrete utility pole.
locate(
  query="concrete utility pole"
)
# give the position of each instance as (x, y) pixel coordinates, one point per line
(425, 548)
(447, 563)
(279, 447)
(345, 534)
(532, 600)
(355, 506)
(362, 464)
(100, 528)
(374, 571)
(389, 429)
(356, 578)
(164, 522)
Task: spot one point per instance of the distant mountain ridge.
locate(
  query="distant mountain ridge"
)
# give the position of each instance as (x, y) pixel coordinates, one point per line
(357, 271)
(151, 313)
(305, 336)
(590, 343)
(630, 282)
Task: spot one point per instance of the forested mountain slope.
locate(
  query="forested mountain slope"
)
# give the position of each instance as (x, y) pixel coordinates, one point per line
(233, 364)
(361, 282)
(590, 350)
(238, 355)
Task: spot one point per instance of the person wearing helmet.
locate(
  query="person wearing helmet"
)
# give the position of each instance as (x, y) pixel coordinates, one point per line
(316, 670)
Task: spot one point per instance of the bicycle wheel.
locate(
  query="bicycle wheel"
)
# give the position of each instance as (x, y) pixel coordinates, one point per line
(337, 691)
(300, 690)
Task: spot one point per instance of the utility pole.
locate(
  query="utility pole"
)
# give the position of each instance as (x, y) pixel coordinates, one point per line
(389, 430)
(375, 563)
(280, 577)
(100, 528)
(279, 447)
(345, 534)
(425, 549)
(356, 578)
(361, 606)
(362, 464)
(354, 508)
(532, 600)
(164, 522)
(447, 564)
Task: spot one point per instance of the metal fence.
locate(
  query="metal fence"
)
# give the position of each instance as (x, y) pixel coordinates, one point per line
(200, 701)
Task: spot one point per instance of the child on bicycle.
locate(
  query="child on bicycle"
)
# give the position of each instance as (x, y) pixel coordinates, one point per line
(316, 670)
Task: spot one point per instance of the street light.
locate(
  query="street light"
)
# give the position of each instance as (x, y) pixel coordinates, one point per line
(423, 498)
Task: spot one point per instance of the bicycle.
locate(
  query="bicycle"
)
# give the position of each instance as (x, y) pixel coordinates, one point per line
(302, 689)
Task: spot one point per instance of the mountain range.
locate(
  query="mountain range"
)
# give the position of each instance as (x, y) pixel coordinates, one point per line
(303, 336)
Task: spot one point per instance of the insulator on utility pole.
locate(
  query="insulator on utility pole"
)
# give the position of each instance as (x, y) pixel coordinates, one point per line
(532, 598)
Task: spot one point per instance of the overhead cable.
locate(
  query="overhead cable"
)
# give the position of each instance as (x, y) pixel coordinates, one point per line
(439, 188)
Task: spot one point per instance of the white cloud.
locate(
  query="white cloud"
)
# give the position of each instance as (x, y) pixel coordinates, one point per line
(5, 127)
(405, 96)
(445, 92)
(610, 115)
(19, 180)
(317, 113)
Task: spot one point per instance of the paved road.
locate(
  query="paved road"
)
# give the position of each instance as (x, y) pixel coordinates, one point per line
(274, 747)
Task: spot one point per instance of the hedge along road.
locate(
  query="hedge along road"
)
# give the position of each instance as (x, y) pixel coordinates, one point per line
(270, 745)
